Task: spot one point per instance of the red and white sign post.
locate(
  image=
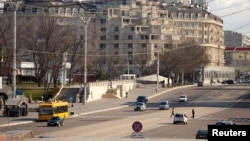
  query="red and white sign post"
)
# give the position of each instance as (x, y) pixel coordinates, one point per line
(137, 127)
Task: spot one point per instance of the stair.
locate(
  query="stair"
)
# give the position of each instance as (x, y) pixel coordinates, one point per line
(111, 93)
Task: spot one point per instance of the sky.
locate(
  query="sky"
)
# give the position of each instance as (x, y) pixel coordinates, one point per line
(235, 14)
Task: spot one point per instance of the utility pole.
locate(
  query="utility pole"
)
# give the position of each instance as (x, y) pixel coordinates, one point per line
(158, 68)
(128, 66)
(85, 21)
(15, 4)
(85, 63)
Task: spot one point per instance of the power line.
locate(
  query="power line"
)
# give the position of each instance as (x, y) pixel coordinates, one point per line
(235, 12)
(229, 6)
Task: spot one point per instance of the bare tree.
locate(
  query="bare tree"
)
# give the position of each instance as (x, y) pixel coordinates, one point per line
(168, 63)
(113, 69)
(99, 67)
(74, 56)
(77, 51)
(141, 60)
(6, 42)
(183, 59)
(47, 41)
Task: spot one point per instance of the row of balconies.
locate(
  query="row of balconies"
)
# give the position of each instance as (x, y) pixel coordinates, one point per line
(48, 11)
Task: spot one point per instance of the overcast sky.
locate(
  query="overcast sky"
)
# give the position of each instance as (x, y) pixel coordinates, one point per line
(235, 14)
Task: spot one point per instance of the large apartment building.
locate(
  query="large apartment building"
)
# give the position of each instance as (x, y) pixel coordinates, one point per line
(235, 39)
(141, 28)
(131, 27)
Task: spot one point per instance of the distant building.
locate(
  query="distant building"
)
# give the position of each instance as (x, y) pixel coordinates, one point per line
(130, 27)
(235, 39)
(238, 58)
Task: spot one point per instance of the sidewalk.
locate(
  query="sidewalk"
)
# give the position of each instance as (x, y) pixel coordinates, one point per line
(94, 106)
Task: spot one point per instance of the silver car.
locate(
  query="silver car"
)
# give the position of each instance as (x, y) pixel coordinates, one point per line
(140, 106)
(164, 105)
(183, 98)
(180, 118)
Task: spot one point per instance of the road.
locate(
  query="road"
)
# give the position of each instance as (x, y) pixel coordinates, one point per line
(211, 103)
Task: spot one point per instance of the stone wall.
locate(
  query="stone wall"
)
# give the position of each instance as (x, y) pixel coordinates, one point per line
(98, 89)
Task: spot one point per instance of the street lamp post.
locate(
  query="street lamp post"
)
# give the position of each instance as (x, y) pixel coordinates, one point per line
(14, 54)
(85, 21)
(15, 4)
(128, 66)
(85, 62)
(158, 68)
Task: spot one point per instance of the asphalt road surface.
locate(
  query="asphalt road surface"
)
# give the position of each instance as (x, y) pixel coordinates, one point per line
(211, 104)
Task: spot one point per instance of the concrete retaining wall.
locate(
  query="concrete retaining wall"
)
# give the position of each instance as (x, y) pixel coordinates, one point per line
(98, 89)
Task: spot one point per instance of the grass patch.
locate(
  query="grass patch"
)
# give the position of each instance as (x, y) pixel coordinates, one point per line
(36, 92)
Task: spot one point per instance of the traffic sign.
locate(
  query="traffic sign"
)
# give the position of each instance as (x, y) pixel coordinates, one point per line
(137, 126)
(19, 92)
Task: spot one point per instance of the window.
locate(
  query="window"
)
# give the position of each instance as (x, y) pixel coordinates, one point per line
(155, 54)
(124, 2)
(162, 15)
(116, 37)
(61, 109)
(126, 21)
(123, 13)
(144, 45)
(116, 46)
(180, 16)
(102, 46)
(130, 54)
(103, 37)
(132, 28)
(130, 45)
(186, 15)
(228, 55)
(103, 29)
(130, 61)
(104, 12)
(167, 46)
(130, 37)
(154, 37)
(103, 21)
(116, 29)
(144, 37)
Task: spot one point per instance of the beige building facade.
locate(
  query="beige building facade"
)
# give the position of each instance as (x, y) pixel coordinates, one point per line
(239, 58)
(135, 27)
(132, 29)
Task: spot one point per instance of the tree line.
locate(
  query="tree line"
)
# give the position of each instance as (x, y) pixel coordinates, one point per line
(44, 40)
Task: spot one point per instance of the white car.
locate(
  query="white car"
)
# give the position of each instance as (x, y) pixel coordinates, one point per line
(140, 106)
(183, 98)
(180, 118)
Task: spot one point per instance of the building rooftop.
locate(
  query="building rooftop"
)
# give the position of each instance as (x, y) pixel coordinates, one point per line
(179, 7)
